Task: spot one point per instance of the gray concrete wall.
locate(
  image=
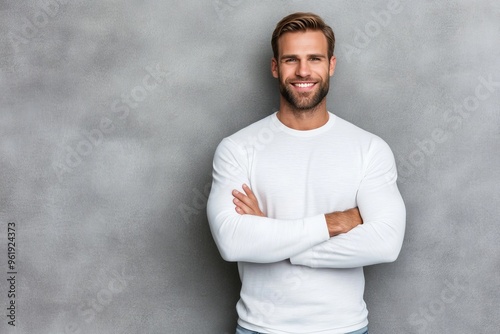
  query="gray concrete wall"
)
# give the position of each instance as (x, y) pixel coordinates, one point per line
(110, 114)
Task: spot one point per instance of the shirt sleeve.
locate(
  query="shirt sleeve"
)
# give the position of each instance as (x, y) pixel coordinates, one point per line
(246, 237)
(380, 237)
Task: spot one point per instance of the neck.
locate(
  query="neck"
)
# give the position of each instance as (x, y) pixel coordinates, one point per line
(303, 119)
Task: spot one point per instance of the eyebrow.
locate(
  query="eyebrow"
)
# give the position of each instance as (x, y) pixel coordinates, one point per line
(314, 55)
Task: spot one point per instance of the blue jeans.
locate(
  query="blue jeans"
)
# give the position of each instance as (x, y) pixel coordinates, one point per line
(241, 330)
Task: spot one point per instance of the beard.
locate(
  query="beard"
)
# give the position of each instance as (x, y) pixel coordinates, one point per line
(302, 102)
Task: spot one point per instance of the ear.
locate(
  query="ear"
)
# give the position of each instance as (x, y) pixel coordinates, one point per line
(274, 67)
(333, 63)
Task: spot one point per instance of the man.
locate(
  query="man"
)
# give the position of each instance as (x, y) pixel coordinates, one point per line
(288, 195)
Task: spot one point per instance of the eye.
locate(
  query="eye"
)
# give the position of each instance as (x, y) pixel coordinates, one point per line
(290, 60)
(316, 59)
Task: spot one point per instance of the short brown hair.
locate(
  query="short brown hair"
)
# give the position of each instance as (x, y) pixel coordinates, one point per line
(302, 22)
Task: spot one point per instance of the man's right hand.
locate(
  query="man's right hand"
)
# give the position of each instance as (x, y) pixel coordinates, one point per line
(343, 221)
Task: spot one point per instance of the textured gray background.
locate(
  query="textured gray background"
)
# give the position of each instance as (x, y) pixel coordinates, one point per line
(112, 235)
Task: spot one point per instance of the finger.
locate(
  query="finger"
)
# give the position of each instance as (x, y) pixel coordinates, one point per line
(241, 196)
(249, 192)
(238, 194)
(240, 210)
(252, 203)
(241, 207)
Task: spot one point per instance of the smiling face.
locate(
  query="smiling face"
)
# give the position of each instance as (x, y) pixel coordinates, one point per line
(303, 70)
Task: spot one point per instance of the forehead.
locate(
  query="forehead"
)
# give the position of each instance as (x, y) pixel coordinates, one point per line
(303, 42)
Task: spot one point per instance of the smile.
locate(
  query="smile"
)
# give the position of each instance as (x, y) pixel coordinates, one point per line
(303, 84)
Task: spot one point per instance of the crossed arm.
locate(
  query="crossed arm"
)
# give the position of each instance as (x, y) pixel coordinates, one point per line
(378, 241)
(331, 240)
(337, 222)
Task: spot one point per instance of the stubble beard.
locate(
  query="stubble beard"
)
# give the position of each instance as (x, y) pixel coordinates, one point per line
(303, 102)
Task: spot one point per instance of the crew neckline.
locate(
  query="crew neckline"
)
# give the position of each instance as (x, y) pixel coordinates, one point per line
(304, 133)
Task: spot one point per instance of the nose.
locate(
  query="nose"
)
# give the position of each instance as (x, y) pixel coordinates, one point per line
(303, 69)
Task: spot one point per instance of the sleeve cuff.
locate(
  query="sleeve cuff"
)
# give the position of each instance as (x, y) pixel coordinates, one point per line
(304, 259)
(320, 229)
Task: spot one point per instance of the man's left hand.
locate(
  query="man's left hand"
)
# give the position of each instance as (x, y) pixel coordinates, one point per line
(246, 203)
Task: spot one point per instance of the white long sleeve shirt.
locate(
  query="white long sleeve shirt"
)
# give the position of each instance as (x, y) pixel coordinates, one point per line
(295, 278)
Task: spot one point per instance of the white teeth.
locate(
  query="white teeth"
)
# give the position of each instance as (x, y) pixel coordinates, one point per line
(304, 85)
